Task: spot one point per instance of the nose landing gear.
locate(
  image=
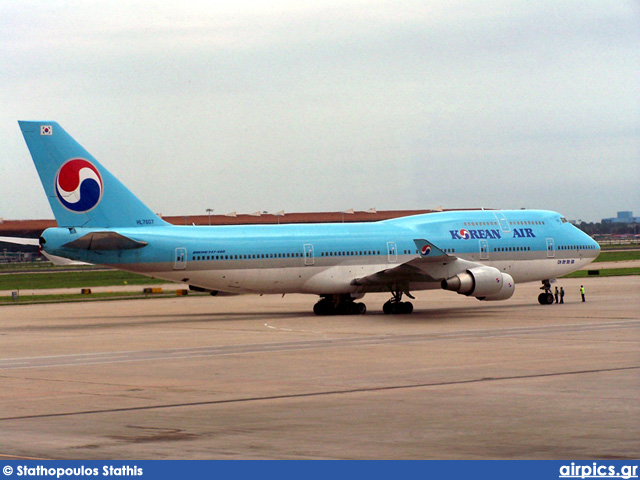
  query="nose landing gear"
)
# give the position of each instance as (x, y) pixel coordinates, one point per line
(546, 297)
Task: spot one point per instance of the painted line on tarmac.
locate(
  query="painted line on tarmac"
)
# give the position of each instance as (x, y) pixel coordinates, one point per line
(20, 457)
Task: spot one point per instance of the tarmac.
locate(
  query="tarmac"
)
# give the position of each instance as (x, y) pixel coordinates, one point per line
(253, 377)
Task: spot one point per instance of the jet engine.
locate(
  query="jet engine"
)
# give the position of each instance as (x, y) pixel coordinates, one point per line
(484, 283)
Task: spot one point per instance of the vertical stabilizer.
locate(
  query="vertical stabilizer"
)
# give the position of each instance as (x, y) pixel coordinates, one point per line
(81, 192)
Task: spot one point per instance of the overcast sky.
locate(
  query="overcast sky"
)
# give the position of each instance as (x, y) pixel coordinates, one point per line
(327, 106)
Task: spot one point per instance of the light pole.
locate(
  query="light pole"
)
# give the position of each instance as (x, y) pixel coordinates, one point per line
(209, 210)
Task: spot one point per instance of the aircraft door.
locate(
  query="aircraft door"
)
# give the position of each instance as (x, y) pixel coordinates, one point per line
(392, 252)
(484, 250)
(502, 220)
(551, 251)
(308, 254)
(180, 260)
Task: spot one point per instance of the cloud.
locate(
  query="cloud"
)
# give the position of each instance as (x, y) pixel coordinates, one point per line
(308, 106)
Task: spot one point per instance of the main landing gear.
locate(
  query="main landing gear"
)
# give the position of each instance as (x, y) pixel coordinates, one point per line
(395, 305)
(546, 297)
(339, 305)
(345, 304)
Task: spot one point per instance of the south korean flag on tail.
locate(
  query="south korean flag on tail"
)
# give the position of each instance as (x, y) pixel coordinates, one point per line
(46, 130)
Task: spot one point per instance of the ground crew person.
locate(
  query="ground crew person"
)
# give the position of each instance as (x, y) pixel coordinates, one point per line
(582, 292)
(556, 294)
(561, 295)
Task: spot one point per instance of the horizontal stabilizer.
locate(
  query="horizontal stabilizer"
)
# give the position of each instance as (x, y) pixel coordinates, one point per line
(105, 241)
(21, 241)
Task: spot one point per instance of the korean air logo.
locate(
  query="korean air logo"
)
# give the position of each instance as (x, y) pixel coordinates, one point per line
(425, 250)
(78, 185)
(464, 233)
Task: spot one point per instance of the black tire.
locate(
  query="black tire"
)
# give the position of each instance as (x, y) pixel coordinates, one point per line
(324, 307)
(348, 309)
(387, 308)
(545, 298)
(362, 308)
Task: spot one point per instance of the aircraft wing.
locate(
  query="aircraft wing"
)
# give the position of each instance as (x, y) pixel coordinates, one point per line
(433, 265)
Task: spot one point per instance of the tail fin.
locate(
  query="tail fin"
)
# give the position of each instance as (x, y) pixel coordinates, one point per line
(81, 192)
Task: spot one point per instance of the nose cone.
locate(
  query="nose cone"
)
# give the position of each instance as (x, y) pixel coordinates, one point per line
(595, 246)
(592, 249)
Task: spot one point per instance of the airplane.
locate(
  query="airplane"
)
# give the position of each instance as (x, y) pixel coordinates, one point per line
(477, 253)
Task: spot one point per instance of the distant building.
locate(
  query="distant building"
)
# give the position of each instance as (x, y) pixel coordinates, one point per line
(623, 217)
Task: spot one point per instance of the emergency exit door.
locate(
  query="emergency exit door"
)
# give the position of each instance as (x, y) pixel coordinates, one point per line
(180, 260)
(484, 250)
(551, 249)
(308, 254)
(392, 252)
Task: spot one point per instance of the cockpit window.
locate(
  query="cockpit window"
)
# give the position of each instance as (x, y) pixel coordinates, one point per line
(563, 220)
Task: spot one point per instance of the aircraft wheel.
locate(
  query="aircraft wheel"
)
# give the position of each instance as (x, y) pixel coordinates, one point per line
(387, 308)
(545, 298)
(361, 308)
(324, 307)
(347, 309)
(397, 308)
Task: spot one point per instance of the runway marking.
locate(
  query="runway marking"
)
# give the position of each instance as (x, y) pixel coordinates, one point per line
(282, 329)
(20, 457)
(82, 359)
(318, 393)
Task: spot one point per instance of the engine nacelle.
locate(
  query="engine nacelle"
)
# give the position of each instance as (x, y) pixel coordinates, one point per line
(484, 283)
(507, 290)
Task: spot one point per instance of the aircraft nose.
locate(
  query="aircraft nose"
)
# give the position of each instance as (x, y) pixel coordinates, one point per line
(594, 251)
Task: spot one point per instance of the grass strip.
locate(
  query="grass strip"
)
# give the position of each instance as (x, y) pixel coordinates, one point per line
(625, 246)
(31, 299)
(618, 256)
(605, 272)
(104, 278)
(44, 266)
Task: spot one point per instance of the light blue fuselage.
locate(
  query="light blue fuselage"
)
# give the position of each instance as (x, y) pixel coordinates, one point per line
(329, 258)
